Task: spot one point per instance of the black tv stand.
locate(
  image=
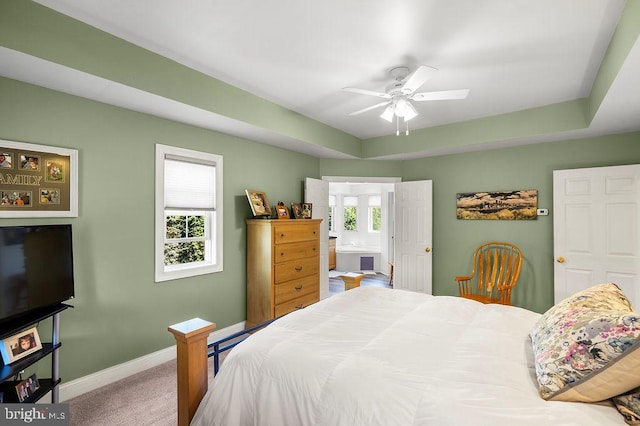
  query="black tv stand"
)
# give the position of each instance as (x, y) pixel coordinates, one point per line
(14, 326)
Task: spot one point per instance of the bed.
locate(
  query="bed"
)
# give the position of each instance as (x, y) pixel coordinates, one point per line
(376, 356)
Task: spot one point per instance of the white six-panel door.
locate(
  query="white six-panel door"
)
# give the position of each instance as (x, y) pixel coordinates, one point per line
(596, 229)
(413, 236)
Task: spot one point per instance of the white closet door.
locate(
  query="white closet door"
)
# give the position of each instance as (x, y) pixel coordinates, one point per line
(596, 222)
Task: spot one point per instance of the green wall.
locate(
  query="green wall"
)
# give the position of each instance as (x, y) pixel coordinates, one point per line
(120, 312)
(523, 167)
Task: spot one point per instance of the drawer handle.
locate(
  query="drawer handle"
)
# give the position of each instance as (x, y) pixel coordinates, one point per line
(298, 288)
(281, 253)
(281, 235)
(300, 306)
(298, 269)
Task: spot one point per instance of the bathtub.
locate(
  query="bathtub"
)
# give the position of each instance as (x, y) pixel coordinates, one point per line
(357, 258)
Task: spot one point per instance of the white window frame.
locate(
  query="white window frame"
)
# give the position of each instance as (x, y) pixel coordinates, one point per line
(214, 232)
(332, 214)
(373, 201)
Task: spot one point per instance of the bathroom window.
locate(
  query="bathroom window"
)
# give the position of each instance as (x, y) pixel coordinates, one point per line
(350, 213)
(375, 213)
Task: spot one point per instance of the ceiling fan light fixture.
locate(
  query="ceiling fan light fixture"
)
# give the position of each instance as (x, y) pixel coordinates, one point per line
(388, 114)
(401, 94)
(401, 107)
(410, 112)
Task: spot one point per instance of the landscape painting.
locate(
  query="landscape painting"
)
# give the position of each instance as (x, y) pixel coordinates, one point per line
(498, 205)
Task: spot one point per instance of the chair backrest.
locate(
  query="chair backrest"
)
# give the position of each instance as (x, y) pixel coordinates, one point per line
(496, 267)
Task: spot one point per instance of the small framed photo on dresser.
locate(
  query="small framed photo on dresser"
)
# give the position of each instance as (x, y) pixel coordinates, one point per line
(282, 211)
(307, 210)
(296, 210)
(259, 203)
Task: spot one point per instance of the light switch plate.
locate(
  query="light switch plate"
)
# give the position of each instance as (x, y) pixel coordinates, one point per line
(543, 212)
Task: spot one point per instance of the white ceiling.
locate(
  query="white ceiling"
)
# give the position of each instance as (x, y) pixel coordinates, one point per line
(511, 54)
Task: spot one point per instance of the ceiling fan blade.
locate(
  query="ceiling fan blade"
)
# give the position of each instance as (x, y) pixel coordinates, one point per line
(371, 107)
(441, 95)
(418, 78)
(367, 92)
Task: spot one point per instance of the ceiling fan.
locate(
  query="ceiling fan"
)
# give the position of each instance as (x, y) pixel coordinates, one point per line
(401, 92)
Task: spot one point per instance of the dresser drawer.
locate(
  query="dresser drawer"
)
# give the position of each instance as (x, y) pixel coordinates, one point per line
(295, 269)
(295, 288)
(295, 251)
(291, 233)
(297, 303)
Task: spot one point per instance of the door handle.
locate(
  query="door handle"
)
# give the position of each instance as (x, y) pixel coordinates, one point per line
(428, 249)
(560, 259)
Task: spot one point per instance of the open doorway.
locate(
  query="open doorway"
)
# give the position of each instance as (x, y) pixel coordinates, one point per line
(409, 227)
(360, 225)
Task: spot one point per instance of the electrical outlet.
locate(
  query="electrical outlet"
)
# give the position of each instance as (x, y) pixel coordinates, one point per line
(543, 212)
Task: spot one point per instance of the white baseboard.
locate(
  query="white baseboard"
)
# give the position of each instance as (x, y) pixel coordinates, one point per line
(109, 375)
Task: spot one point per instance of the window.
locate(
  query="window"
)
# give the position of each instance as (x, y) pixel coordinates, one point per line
(375, 215)
(188, 213)
(331, 213)
(350, 213)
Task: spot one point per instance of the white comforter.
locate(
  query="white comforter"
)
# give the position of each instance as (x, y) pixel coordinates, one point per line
(373, 356)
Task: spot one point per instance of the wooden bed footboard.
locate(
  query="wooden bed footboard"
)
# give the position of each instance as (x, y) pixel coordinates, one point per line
(193, 352)
(192, 362)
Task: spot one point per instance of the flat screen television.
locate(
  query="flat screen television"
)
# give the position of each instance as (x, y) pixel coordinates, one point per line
(36, 268)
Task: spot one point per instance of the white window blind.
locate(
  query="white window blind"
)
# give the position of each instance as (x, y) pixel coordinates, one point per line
(350, 201)
(332, 200)
(189, 185)
(374, 200)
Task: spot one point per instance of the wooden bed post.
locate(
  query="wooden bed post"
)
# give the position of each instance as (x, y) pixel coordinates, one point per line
(191, 341)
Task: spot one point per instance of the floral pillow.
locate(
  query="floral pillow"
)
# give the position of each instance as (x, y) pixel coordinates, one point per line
(586, 346)
(629, 406)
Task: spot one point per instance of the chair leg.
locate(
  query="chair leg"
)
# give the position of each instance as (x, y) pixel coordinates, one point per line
(390, 273)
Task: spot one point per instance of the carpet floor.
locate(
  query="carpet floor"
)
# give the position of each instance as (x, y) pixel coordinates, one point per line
(144, 399)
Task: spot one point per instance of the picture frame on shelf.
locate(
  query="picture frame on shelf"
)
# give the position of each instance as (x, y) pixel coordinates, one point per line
(296, 210)
(20, 345)
(307, 210)
(259, 203)
(27, 387)
(282, 212)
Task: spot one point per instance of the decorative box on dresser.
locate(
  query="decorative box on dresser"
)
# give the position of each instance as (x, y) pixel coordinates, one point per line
(283, 267)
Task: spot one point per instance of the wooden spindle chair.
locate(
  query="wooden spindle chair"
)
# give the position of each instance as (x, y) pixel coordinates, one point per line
(496, 268)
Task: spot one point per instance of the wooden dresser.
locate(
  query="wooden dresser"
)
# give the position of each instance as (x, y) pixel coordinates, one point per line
(283, 267)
